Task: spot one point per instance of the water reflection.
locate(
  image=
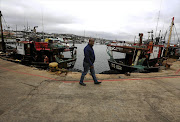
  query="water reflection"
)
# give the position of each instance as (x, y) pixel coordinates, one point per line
(101, 63)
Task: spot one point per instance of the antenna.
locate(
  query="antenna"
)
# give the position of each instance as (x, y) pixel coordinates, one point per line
(16, 31)
(42, 24)
(27, 25)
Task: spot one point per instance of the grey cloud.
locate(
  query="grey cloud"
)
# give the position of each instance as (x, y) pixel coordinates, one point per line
(23, 11)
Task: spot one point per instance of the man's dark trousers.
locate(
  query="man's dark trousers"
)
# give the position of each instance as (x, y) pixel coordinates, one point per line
(86, 68)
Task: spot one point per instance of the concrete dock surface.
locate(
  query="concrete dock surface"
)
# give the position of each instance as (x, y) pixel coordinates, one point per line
(29, 94)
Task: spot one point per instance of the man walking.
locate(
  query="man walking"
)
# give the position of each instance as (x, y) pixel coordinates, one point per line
(89, 58)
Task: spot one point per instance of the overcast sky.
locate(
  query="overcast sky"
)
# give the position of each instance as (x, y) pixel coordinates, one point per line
(111, 19)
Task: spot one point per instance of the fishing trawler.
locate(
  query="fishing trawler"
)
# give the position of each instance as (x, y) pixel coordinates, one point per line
(41, 53)
(31, 51)
(140, 57)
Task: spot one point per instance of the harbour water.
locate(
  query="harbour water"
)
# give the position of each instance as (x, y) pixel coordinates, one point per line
(101, 63)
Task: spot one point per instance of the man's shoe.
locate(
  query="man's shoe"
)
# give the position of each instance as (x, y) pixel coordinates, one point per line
(97, 82)
(83, 84)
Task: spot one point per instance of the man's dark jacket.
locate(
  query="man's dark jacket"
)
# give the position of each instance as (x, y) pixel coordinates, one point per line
(89, 56)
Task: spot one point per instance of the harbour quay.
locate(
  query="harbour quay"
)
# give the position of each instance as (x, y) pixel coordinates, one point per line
(30, 94)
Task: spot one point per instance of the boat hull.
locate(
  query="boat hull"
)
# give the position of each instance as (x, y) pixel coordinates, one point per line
(121, 68)
(67, 64)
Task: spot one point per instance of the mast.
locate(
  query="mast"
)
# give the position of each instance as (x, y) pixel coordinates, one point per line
(157, 24)
(2, 36)
(140, 38)
(148, 35)
(172, 23)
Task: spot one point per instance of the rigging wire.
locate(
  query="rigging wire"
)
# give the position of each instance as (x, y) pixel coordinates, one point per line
(165, 34)
(176, 33)
(5, 22)
(163, 24)
(158, 18)
(167, 31)
(4, 26)
(157, 24)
